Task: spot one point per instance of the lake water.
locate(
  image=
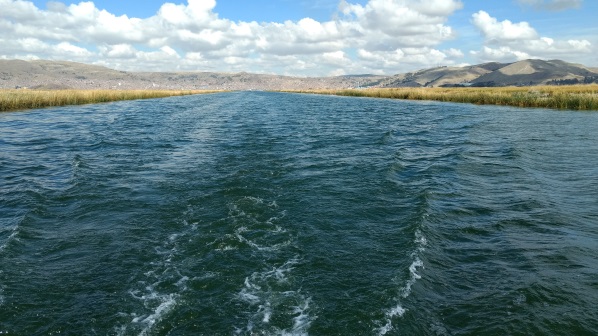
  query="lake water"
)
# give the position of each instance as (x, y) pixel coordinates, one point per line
(258, 213)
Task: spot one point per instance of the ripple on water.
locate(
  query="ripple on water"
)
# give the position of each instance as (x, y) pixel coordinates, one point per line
(275, 214)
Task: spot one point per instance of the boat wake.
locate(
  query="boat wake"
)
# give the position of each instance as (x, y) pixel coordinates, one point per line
(270, 294)
(398, 311)
(271, 299)
(159, 289)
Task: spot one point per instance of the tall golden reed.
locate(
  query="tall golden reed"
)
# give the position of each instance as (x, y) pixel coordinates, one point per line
(28, 99)
(572, 97)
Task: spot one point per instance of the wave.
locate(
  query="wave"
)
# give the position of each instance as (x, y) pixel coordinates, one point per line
(270, 296)
(398, 311)
(274, 303)
(13, 236)
(161, 286)
(257, 224)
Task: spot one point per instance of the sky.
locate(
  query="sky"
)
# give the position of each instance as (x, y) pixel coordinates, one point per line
(300, 37)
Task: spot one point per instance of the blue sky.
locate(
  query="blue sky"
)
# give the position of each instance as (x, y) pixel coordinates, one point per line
(302, 37)
(254, 10)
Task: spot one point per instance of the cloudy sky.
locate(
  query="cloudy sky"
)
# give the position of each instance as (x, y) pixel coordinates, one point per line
(298, 37)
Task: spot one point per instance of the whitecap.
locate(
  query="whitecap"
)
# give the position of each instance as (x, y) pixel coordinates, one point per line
(12, 237)
(413, 277)
(404, 291)
(397, 311)
(420, 240)
(258, 247)
(256, 200)
(270, 291)
(302, 321)
(266, 311)
(182, 283)
(166, 305)
(161, 305)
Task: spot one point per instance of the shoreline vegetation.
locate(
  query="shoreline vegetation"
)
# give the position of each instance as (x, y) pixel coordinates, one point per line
(568, 97)
(23, 99)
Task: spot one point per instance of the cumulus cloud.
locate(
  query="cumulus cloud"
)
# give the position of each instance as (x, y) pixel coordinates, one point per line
(552, 5)
(505, 30)
(508, 41)
(500, 54)
(392, 24)
(379, 36)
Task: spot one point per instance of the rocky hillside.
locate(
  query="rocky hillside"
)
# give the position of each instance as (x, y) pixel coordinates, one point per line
(66, 75)
(522, 73)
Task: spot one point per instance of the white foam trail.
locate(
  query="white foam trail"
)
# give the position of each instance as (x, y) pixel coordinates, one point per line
(226, 248)
(160, 305)
(302, 321)
(182, 283)
(256, 200)
(10, 238)
(258, 247)
(156, 304)
(420, 240)
(266, 311)
(398, 310)
(235, 212)
(252, 290)
(258, 292)
(413, 277)
(168, 303)
(269, 293)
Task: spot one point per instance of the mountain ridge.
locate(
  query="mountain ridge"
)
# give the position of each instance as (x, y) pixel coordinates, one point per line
(45, 74)
(522, 73)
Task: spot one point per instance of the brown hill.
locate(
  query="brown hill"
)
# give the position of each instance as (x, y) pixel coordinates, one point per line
(536, 72)
(437, 76)
(61, 75)
(528, 72)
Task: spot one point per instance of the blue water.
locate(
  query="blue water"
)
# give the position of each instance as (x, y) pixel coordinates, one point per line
(256, 213)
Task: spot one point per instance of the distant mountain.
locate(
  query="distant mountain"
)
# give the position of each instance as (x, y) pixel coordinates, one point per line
(522, 73)
(438, 76)
(64, 75)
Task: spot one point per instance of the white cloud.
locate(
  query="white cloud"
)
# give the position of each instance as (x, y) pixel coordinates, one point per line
(413, 57)
(380, 36)
(552, 5)
(500, 54)
(389, 24)
(454, 53)
(335, 58)
(508, 41)
(197, 13)
(504, 30)
(65, 48)
(118, 51)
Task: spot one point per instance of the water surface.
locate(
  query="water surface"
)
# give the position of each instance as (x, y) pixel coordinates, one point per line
(257, 213)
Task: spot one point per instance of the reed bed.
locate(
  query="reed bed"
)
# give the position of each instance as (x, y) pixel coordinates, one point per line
(573, 97)
(29, 99)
